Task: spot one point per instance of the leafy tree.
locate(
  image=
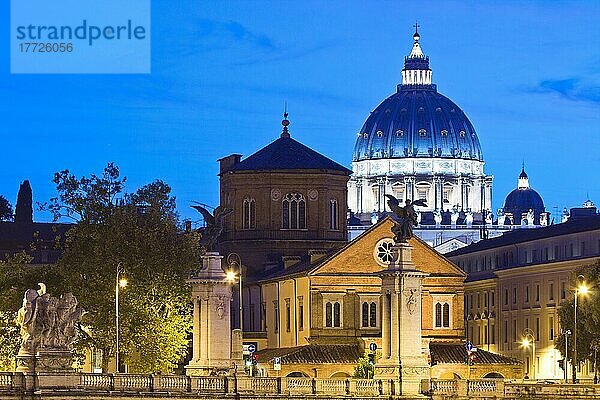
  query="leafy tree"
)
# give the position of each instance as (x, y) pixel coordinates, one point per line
(588, 315)
(140, 233)
(364, 369)
(24, 208)
(6, 211)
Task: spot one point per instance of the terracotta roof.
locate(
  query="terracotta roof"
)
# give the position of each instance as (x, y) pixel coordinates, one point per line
(456, 353)
(447, 353)
(344, 354)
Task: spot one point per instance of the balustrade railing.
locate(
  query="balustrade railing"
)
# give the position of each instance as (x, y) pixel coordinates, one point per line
(6, 380)
(18, 383)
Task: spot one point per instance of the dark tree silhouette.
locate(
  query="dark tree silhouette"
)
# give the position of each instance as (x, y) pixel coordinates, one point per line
(24, 208)
(6, 212)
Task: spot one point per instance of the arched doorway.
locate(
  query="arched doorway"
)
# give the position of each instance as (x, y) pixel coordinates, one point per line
(296, 374)
(494, 375)
(340, 375)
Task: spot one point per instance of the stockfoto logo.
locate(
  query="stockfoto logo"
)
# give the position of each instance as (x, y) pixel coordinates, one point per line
(80, 36)
(85, 32)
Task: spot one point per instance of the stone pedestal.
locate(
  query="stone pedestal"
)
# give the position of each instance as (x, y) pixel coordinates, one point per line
(211, 296)
(402, 359)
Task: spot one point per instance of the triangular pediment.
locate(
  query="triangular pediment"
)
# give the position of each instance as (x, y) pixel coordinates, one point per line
(361, 257)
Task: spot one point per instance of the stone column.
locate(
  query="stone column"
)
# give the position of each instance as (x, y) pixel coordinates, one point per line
(406, 364)
(196, 330)
(385, 326)
(212, 342)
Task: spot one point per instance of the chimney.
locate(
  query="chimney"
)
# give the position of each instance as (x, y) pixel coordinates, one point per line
(316, 255)
(226, 163)
(188, 226)
(288, 261)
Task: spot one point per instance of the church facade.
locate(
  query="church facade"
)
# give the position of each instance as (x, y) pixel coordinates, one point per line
(313, 299)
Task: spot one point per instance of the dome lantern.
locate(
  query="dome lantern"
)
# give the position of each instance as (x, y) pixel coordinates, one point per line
(523, 182)
(416, 65)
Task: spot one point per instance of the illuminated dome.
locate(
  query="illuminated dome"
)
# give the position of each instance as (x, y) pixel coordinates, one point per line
(524, 200)
(418, 144)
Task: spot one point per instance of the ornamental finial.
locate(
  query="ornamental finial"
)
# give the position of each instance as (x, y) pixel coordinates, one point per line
(416, 36)
(285, 133)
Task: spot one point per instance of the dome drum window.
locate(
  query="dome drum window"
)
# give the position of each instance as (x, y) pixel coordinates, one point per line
(422, 132)
(444, 132)
(379, 133)
(293, 211)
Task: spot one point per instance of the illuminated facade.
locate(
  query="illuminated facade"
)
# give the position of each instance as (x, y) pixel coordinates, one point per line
(517, 281)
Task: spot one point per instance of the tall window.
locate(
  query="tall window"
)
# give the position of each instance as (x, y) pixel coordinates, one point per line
(551, 328)
(446, 315)
(288, 315)
(294, 211)
(332, 314)
(333, 215)
(336, 314)
(300, 313)
(442, 315)
(276, 315)
(373, 315)
(249, 214)
(365, 314)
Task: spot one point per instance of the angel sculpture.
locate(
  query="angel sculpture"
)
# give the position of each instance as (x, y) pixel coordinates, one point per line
(403, 230)
(214, 225)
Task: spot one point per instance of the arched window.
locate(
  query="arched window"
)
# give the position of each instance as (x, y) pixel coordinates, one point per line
(249, 214)
(293, 211)
(333, 215)
(336, 314)
(438, 315)
(365, 315)
(446, 315)
(328, 315)
(373, 315)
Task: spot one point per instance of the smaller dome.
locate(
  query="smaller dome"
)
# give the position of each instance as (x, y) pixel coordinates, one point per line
(523, 199)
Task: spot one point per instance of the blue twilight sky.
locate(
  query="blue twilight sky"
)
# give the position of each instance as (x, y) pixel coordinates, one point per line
(527, 74)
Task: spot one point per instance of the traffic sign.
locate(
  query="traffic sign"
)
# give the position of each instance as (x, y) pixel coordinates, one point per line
(251, 348)
(373, 346)
(469, 346)
(277, 364)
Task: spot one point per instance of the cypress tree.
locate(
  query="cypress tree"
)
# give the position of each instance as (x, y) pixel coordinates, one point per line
(24, 208)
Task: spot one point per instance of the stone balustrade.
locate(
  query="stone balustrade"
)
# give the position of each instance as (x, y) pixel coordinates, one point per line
(243, 386)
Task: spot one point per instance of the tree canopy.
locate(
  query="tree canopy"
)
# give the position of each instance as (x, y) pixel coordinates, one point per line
(140, 233)
(588, 314)
(24, 207)
(6, 211)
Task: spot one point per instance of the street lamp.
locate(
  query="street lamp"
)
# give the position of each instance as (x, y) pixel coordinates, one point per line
(581, 289)
(529, 339)
(235, 271)
(121, 282)
(566, 332)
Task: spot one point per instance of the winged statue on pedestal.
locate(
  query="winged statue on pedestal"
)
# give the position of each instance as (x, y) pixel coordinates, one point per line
(214, 225)
(403, 229)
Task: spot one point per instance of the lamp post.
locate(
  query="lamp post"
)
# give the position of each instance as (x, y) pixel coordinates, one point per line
(581, 289)
(529, 339)
(120, 283)
(235, 264)
(566, 332)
